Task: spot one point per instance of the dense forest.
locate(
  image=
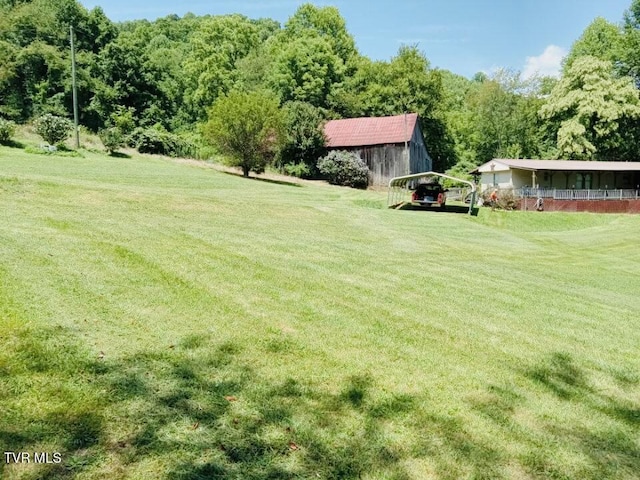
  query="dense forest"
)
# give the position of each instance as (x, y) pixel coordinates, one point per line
(164, 76)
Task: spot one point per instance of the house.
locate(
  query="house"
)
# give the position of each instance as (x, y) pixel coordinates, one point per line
(566, 185)
(558, 174)
(390, 146)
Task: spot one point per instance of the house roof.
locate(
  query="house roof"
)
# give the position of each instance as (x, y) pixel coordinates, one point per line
(357, 132)
(500, 164)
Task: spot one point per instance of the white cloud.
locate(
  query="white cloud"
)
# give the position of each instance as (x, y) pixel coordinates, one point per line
(548, 63)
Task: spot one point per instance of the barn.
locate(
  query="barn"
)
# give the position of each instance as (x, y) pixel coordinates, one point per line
(390, 146)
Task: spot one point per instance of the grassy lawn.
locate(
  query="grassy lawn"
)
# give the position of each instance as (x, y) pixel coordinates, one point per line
(164, 320)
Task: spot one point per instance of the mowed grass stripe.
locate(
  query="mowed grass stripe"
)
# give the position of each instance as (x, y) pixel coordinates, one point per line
(383, 344)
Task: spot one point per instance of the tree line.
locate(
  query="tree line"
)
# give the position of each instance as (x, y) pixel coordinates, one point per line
(159, 81)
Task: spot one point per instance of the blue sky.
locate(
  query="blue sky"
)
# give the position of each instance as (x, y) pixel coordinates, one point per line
(464, 36)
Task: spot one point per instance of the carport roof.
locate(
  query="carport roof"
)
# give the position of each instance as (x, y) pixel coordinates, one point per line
(502, 164)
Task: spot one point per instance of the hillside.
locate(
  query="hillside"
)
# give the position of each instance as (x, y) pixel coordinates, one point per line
(166, 320)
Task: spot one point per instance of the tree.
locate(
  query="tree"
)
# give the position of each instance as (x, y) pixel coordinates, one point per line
(590, 104)
(35, 75)
(458, 116)
(600, 39)
(406, 84)
(216, 47)
(306, 70)
(304, 140)
(312, 56)
(630, 43)
(323, 22)
(247, 127)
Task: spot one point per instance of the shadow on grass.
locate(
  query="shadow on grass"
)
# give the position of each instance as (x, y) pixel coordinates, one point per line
(13, 144)
(119, 155)
(195, 407)
(265, 180)
(198, 410)
(607, 436)
(446, 209)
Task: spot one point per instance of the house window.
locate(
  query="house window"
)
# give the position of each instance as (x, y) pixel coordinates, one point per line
(579, 179)
(587, 181)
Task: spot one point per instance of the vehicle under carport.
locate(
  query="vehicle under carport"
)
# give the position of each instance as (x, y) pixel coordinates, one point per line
(400, 188)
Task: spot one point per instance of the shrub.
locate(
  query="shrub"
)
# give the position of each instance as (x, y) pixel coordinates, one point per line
(53, 129)
(344, 168)
(123, 120)
(301, 170)
(507, 200)
(152, 140)
(112, 139)
(158, 141)
(7, 130)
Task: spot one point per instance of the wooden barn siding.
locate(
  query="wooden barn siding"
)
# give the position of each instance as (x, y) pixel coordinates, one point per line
(388, 161)
(384, 162)
(420, 161)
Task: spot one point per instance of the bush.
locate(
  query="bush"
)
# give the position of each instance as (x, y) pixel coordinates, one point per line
(112, 139)
(53, 129)
(149, 140)
(123, 120)
(160, 142)
(7, 130)
(301, 170)
(507, 200)
(344, 168)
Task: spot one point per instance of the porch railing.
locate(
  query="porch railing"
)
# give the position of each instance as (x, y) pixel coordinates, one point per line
(571, 194)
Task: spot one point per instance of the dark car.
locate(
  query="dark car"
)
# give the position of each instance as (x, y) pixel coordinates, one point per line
(428, 194)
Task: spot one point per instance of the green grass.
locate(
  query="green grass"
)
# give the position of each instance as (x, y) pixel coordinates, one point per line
(164, 320)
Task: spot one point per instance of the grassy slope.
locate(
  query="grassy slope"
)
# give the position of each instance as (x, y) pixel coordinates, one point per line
(136, 294)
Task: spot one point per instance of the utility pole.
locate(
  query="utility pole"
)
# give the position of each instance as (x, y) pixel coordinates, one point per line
(75, 90)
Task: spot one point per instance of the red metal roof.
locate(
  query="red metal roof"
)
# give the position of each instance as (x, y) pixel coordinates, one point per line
(357, 132)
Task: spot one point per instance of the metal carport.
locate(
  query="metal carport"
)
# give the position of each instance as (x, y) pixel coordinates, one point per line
(399, 188)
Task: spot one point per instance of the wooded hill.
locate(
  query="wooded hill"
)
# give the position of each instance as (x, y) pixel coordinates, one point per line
(166, 74)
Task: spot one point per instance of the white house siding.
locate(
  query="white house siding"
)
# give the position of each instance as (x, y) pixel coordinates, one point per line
(522, 178)
(496, 179)
(494, 174)
(561, 174)
(561, 180)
